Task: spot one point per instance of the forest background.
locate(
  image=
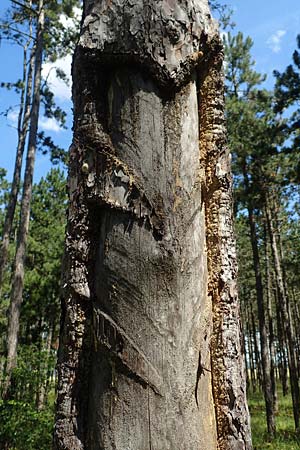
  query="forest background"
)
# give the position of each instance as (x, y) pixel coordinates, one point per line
(263, 125)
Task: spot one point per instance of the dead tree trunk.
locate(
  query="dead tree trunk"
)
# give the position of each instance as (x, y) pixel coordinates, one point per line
(150, 354)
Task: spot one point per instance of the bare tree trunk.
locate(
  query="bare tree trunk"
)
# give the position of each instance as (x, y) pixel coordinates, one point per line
(150, 353)
(23, 122)
(264, 342)
(18, 273)
(257, 353)
(270, 322)
(252, 359)
(287, 324)
(43, 379)
(297, 327)
(263, 333)
(282, 346)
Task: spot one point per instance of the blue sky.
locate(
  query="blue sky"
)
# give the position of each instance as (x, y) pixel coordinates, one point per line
(273, 26)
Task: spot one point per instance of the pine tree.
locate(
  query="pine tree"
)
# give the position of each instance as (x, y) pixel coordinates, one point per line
(46, 23)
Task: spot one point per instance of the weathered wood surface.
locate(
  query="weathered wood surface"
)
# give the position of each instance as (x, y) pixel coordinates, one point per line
(150, 354)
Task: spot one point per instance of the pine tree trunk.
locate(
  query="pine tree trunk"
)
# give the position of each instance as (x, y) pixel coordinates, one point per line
(150, 353)
(282, 350)
(297, 327)
(252, 361)
(257, 354)
(23, 121)
(270, 322)
(287, 324)
(43, 378)
(18, 272)
(264, 341)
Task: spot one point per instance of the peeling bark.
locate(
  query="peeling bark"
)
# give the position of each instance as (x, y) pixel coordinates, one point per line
(228, 371)
(139, 363)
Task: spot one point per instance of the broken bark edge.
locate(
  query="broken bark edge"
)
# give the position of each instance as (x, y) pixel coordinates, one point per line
(168, 81)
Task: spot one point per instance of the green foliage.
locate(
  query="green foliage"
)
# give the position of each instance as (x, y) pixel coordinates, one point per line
(288, 82)
(240, 76)
(223, 13)
(46, 146)
(60, 34)
(45, 249)
(265, 173)
(287, 90)
(286, 438)
(256, 133)
(23, 426)
(4, 192)
(4, 189)
(27, 416)
(59, 39)
(44, 255)
(51, 110)
(17, 86)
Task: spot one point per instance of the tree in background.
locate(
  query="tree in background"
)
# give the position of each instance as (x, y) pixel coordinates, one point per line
(27, 415)
(264, 171)
(287, 90)
(45, 38)
(244, 113)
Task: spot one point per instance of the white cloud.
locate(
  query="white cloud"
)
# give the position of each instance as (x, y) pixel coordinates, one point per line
(12, 117)
(61, 90)
(69, 22)
(274, 41)
(49, 124)
(45, 123)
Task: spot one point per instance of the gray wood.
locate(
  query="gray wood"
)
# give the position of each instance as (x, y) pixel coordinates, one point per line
(140, 364)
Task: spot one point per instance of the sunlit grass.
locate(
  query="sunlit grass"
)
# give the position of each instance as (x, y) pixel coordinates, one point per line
(286, 437)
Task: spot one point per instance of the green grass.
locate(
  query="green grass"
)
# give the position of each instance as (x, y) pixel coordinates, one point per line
(286, 437)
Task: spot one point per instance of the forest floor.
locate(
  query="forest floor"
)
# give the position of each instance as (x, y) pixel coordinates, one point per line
(286, 437)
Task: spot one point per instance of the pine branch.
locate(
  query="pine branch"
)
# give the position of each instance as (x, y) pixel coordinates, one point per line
(25, 7)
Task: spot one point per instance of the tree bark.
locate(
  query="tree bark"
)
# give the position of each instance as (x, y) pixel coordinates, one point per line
(283, 365)
(251, 346)
(41, 394)
(150, 353)
(18, 272)
(270, 323)
(257, 353)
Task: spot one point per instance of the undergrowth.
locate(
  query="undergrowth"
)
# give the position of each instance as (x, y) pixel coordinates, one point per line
(286, 437)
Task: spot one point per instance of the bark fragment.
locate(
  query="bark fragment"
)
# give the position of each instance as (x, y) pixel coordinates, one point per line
(228, 372)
